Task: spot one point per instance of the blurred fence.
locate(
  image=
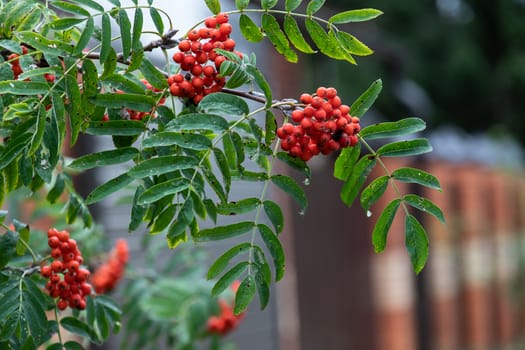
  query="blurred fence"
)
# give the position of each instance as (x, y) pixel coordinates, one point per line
(470, 295)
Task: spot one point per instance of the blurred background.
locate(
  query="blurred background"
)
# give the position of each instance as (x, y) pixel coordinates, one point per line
(459, 65)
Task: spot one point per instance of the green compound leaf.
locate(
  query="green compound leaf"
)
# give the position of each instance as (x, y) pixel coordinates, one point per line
(222, 261)
(162, 165)
(249, 29)
(63, 24)
(405, 148)
(268, 4)
(163, 189)
(353, 45)
(374, 191)
(242, 206)
(108, 188)
(116, 127)
(382, 226)
(291, 28)
(275, 215)
(360, 15)
(214, 6)
(223, 232)
(392, 129)
(416, 241)
(104, 158)
(223, 104)
(357, 178)
(291, 5)
(195, 142)
(198, 121)
(345, 161)
(418, 176)
(136, 102)
(244, 294)
(277, 37)
(275, 248)
(314, 6)
(228, 278)
(288, 185)
(424, 205)
(367, 99)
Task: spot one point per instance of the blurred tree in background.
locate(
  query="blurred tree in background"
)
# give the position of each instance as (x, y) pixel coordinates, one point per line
(448, 61)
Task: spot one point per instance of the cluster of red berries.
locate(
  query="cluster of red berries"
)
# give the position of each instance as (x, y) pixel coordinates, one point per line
(226, 321)
(199, 60)
(67, 279)
(323, 125)
(106, 277)
(17, 69)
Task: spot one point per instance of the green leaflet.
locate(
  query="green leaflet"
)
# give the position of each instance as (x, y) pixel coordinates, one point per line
(291, 28)
(291, 5)
(116, 127)
(359, 15)
(353, 45)
(275, 248)
(357, 178)
(288, 185)
(222, 261)
(244, 294)
(242, 206)
(416, 241)
(418, 176)
(367, 99)
(162, 165)
(374, 191)
(108, 188)
(425, 205)
(125, 32)
(382, 226)
(392, 129)
(214, 6)
(198, 121)
(275, 215)
(314, 6)
(223, 232)
(345, 161)
(249, 29)
(405, 148)
(277, 37)
(192, 141)
(163, 189)
(104, 158)
(223, 104)
(229, 277)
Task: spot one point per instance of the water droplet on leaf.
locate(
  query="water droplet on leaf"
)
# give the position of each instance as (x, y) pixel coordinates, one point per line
(368, 213)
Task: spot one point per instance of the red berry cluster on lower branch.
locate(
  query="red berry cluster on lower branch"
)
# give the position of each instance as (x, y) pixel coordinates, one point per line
(106, 277)
(323, 125)
(226, 321)
(67, 279)
(198, 58)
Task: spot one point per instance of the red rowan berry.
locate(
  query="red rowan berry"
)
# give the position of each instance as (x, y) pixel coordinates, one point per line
(321, 91)
(208, 71)
(330, 93)
(210, 22)
(178, 57)
(288, 128)
(343, 108)
(45, 271)
(225, 28)
(63, 236)
(221, 18)
(193, 35)
(306, 98)
(53, 242)
(57, 266)
(204, 33)
(184, 45)
(229, 44)
(297, 115)
(62, 304)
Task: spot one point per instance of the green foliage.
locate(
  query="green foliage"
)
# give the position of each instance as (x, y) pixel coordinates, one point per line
(182, 157)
